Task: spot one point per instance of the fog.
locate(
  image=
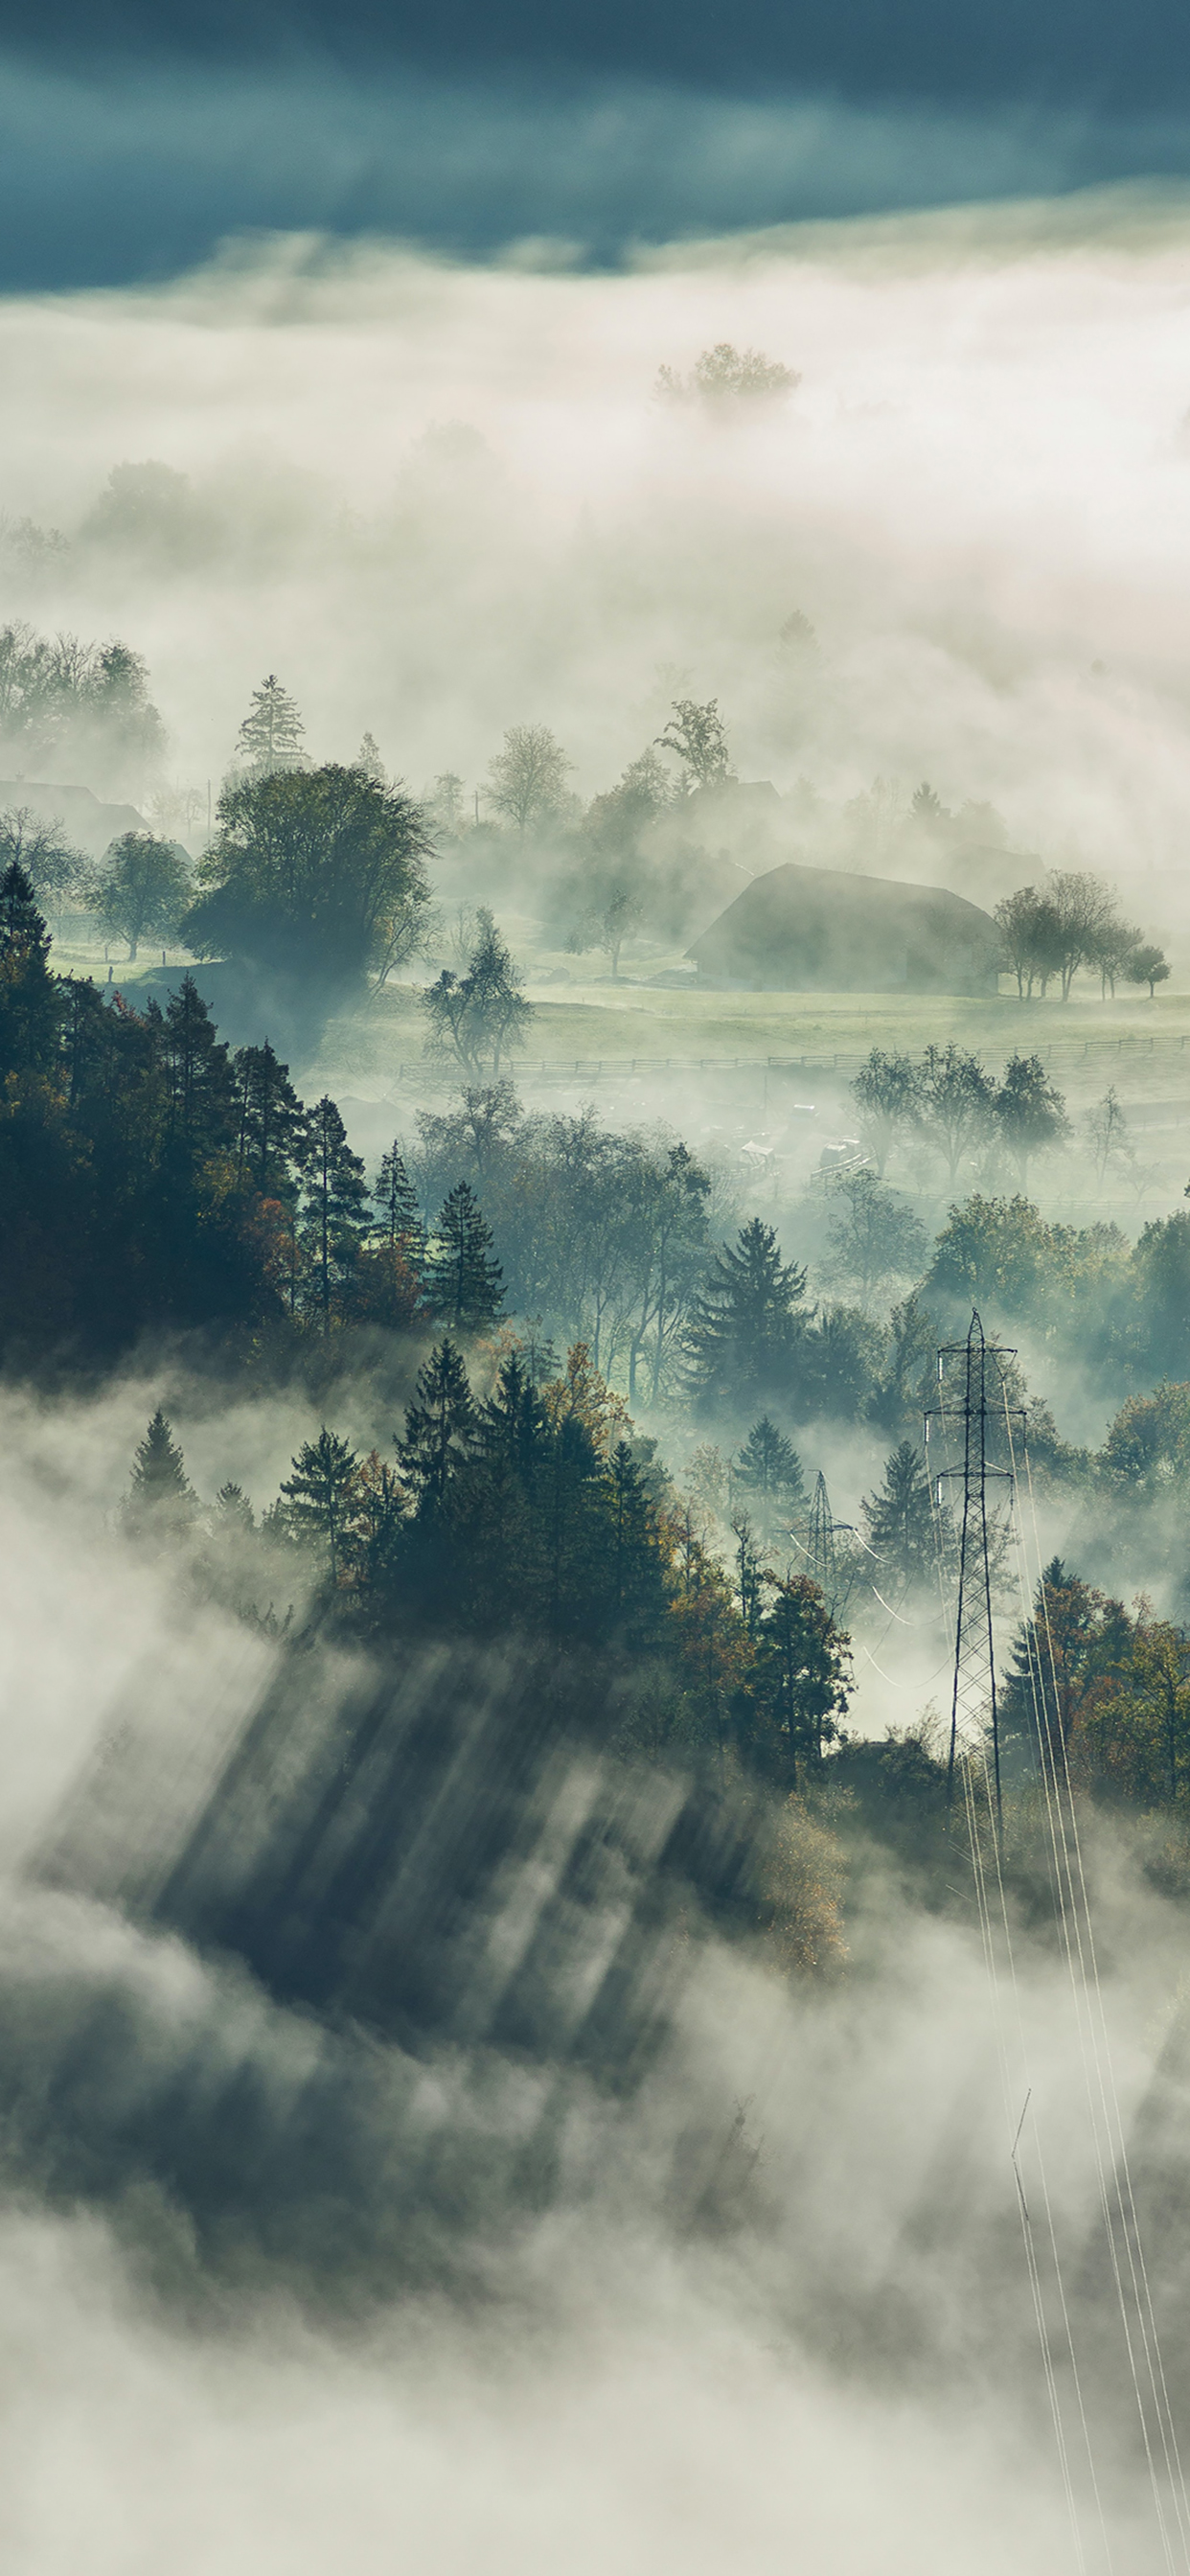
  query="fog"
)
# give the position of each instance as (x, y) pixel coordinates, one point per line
(978, 497)
(520, 2215)
(279, 2286)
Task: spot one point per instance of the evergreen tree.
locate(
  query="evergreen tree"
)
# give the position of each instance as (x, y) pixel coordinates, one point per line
(30, 999)
(769, 1471)
(320, 1496)
(910, 1365)
(161, 1502)
(636, 1564)
(200, 1082)
(270, 736)
(899, 1519)
(396, 1201)
(387, 1283)
(465, 1284)
(369, 761)
(747, 1328)
(233, 1511)
(271, 1125)
(513, 1426)
(334, 1220)
(803, 1679)
(1063, 1658)
(439, 1426)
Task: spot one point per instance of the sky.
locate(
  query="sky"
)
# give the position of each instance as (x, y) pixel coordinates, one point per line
(134, 138)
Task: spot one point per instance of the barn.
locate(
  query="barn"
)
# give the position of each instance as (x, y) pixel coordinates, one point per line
(802, 929)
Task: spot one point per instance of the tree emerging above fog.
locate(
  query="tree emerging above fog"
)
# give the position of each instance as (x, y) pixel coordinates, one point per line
(725, 376)
(527, 778)
(316, 873)
(270, 736)
(698, 737)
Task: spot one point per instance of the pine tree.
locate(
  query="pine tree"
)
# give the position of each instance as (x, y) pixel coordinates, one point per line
(513, 1426)
(637, 1565)
(396, 1201)
(465, 1284)
(30, 1000)
(271, 1125)
(368, 759)
(899, 1519)
(320, 1495)
(200, 1082)
(386, 1286)
(161, 1501)
(746, 1327)
(770, 1472)
(334, 1220)
(803, 1678)
(439, 1426)
(270, 736)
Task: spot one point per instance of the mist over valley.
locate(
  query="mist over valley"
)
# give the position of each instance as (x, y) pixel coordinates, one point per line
(595, 1402)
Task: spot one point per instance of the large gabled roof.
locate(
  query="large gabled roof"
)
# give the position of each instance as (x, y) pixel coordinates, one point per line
(796, 927)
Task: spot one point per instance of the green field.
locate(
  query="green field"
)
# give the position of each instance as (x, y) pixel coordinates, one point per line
(717, 1056)
(1087, 1042)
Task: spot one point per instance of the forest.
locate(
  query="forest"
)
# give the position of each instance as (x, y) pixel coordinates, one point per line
(531, 1281)
(595, 1855)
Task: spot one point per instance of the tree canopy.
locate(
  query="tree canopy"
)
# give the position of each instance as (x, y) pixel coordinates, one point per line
(319, 873)
(142, 890)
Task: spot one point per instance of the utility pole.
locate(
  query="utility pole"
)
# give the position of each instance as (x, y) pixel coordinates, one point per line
(968, 1374)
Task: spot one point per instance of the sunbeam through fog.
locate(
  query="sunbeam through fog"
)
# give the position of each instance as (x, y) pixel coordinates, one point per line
(506, 1830)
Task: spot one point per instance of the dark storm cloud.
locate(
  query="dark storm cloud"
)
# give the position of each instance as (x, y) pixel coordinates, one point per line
(136, 165)
(1070, 50)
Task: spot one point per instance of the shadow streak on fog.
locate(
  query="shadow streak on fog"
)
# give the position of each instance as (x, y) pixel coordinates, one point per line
(387, 2151)
(543, 2228)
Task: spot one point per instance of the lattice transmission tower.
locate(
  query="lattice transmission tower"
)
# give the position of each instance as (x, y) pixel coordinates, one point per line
(831, 1569)
(972, 1397)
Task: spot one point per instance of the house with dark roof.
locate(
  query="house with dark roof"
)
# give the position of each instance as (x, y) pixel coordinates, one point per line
(822, 929)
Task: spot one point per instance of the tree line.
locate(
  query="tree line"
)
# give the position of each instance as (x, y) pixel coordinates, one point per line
(152, 1178)
(528, 1512)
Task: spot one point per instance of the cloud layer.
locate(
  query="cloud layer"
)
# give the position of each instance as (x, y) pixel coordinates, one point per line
(440, 499)
(133, 167)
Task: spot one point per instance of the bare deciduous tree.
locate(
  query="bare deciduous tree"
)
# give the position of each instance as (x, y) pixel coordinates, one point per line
(527, 779)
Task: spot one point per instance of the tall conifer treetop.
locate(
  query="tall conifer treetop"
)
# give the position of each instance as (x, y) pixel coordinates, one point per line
(30, 998)
(747, 1322)
(465, 1282)
(161, 1502)
(270, 736)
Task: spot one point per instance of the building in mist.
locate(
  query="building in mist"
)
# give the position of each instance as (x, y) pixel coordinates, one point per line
(91, 825)
(803, 929)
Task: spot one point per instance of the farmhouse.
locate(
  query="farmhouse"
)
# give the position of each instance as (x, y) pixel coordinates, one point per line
(804, 929)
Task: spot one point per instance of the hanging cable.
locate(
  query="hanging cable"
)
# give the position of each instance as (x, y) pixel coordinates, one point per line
(1117, 2198)
(973, 1695)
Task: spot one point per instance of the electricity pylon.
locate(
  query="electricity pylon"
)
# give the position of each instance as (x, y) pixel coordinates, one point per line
(834, 1581)
(969, 1373)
